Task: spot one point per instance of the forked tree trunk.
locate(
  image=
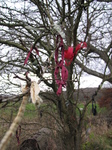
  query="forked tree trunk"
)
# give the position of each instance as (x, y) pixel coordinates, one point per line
(73, 142)
(72, 139)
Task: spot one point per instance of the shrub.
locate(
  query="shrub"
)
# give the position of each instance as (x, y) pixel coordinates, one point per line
(106, 99)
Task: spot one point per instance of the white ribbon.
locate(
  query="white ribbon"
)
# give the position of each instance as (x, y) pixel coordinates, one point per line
(34, 91)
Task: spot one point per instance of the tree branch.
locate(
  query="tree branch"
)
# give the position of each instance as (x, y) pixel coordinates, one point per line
(10, 43)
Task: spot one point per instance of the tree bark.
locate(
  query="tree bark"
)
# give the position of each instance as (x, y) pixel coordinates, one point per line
(77, 140)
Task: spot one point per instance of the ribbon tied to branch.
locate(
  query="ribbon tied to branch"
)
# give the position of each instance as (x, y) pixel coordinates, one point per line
(70, 54)
(25, 62)
(60, 66)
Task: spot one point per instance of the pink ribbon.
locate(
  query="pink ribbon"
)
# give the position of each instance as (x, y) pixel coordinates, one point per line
(69, 54)
(60, 66)
(79, 47)
(25, 62)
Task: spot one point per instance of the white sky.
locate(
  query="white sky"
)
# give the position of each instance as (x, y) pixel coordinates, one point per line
(91, 81)
(87, 81)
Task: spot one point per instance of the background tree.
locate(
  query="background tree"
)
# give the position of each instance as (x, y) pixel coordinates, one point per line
(26, 24)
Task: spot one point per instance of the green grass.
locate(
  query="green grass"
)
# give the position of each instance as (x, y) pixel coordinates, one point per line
(98, 142)
(29, 112)
(31, 109)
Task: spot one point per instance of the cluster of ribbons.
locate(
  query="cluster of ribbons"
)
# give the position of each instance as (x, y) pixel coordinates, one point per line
(60, 66)
(69, 54)
(60, 69)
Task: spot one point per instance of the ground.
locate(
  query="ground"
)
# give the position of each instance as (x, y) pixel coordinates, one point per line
(97, 130)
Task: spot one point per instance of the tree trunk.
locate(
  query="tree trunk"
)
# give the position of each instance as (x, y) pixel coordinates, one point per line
(77, 140)
(70, 85)
(73, 142)
(68, 142)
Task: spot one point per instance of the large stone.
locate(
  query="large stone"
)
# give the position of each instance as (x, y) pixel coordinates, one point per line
(42, 140)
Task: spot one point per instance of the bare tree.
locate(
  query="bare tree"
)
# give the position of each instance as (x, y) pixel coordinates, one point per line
(26, 24)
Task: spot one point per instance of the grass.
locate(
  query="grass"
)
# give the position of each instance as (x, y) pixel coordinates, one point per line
(13, 109)
(31, 111)
(98, 142)
(100, 137)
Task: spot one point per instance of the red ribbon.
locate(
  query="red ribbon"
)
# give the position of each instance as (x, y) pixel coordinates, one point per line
(60, 66)
(25, 62)
(79, 47)
(18, 132)
(69, 54)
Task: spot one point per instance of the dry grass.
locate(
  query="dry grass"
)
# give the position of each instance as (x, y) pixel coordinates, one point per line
(99, 136)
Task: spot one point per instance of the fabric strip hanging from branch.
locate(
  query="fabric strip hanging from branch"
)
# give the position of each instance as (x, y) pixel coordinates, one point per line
(69, 54)
(60, 66)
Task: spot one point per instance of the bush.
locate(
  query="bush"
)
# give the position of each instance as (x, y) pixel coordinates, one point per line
(106, 99)
(92, 146)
